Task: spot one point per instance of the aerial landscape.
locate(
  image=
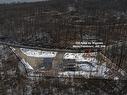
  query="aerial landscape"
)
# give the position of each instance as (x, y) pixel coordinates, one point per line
(63, 47)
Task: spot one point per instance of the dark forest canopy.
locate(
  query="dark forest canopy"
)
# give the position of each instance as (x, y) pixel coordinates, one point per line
(104, 4)
(18, 1)
(47, 21)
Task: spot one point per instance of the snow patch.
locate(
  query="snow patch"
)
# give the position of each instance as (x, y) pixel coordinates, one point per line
(38, 53)
(26, 64)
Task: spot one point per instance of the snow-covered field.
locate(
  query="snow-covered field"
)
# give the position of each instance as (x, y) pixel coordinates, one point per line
(38, 53)
(76, 56)
(87, 63)
(87, 71)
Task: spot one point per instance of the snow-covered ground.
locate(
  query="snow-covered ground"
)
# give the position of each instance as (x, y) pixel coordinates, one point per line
(86, 70)
(77, 56)
(87, 63)
(38, 53)
(26, 64)
(23, 65)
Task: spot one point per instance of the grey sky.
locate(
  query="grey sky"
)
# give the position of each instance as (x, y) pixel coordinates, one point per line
(11, 1)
